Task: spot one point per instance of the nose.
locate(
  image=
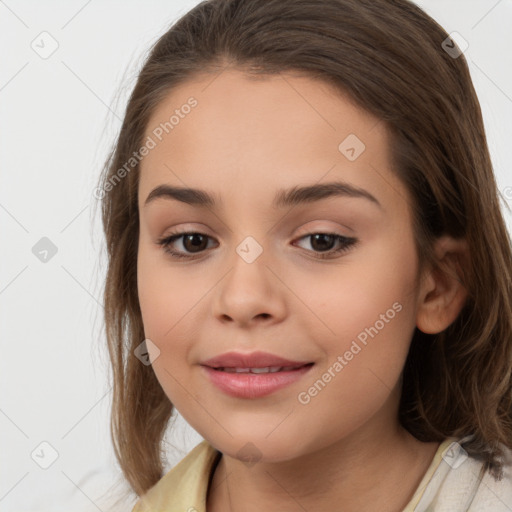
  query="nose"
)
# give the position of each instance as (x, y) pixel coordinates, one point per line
(250, 293)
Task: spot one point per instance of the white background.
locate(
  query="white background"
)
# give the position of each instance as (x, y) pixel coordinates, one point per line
(58, 118)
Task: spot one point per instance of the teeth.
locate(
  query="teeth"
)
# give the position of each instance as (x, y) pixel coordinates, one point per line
(268, 369)
(235, 370)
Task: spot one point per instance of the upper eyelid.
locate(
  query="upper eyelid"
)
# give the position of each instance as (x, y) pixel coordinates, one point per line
(178, 234)
(308, 230)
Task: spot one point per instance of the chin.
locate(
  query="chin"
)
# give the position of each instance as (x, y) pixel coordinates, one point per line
(253, 448)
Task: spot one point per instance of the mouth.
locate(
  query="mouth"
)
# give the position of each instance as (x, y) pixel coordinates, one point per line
(266, 369)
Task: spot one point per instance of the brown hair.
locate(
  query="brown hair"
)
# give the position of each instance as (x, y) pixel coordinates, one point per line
(387, 56)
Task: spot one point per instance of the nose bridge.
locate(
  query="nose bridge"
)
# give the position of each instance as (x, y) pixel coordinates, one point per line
(251, 249)
(249, 266)
(249, 288)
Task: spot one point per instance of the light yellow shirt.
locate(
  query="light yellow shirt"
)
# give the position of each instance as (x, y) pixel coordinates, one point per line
(450, 484)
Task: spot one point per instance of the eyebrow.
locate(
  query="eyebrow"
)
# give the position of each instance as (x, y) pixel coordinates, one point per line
(283, 198)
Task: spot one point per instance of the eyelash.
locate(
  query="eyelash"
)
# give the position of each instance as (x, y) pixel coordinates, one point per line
(347, 243)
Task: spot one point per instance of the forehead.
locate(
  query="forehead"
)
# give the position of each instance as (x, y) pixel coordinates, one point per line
(233, 133)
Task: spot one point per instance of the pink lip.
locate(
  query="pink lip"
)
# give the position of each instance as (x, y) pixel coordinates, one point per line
(252, 385)
(251, 360)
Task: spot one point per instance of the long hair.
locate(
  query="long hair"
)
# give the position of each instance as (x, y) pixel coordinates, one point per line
(392, 60)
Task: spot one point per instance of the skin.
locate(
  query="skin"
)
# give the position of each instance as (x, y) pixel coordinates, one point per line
(244, 140)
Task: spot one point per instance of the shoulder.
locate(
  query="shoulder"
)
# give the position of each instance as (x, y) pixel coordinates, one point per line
(185, 485)
(458, 486)
(495, 494)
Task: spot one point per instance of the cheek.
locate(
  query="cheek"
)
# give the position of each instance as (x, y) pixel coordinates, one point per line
(361, 370)
(165, 294)
(170, 302)
(367, 321)
(371, 290)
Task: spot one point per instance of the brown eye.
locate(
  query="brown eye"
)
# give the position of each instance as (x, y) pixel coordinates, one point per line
(323, 244)
(194, 242)
(322, 241)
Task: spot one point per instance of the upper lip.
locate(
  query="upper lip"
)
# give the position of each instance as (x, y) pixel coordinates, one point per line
(250, 360)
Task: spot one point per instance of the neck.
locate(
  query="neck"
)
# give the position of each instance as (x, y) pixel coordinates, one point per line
(359, 471)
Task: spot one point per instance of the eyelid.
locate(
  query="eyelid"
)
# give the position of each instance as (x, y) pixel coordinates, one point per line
(305, 230)
(347, 243)
(308, 229)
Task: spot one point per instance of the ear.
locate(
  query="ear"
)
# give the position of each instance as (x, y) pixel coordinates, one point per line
(442, 294)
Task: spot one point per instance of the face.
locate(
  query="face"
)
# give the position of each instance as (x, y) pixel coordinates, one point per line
(328, 278)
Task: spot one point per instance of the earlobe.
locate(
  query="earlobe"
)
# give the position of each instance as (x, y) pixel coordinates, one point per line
(442, 292)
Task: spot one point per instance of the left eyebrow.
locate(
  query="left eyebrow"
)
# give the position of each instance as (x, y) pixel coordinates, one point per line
(283, 198)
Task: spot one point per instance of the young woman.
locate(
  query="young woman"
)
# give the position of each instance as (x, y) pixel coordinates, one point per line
(308, 260)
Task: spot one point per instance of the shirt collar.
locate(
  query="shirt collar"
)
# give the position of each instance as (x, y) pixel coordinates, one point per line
(185, 486)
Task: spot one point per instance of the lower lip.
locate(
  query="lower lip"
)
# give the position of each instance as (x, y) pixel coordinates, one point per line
(253, 385)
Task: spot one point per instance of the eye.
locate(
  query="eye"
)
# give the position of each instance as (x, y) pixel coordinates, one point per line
(324, 243)
(195, 243)
(192, 241)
